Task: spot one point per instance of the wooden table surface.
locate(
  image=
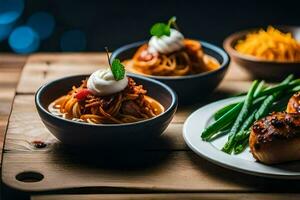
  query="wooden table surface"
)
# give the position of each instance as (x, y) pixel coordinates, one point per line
(154, 172)
(10, 70)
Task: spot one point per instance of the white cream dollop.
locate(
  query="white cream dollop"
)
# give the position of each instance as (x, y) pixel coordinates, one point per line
(102, 83)
(166, 44)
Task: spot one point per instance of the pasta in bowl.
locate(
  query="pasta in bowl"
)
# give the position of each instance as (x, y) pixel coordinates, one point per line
(191, 67)
(98, 110)
(130, 105)
(187, 61)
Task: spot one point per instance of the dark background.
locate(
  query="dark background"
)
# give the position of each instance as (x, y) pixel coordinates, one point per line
(114, 23)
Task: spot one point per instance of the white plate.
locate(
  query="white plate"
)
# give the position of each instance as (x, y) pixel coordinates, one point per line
(244, 162)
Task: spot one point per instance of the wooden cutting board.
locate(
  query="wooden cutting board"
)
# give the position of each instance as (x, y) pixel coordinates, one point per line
(169, 196)
(10, 68)
(162, 166)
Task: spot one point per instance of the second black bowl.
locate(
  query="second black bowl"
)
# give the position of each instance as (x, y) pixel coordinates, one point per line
(190, 87)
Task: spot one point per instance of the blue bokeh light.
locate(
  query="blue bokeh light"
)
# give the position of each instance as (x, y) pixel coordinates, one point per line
(10, 11)
(73, 40)
(42, 23)
(5, 31)
(24, 40)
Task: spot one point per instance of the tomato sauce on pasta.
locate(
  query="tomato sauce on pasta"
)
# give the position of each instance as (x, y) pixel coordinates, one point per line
(189, 60)
(130, 105)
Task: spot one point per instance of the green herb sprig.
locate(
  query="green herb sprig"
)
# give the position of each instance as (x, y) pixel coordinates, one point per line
(161, 29)
(117, 68)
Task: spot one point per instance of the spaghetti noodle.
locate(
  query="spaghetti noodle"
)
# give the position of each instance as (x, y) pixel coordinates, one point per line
(189, 60)
(129, 105)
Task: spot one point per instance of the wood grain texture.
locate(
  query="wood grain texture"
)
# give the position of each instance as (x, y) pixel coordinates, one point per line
(143, 170)
(10, 69)
(46, 67)
(166, 196)
(132, 171)
(163, 165)
(26, 126)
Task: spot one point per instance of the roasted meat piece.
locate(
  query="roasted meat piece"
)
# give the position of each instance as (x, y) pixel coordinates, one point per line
(294, 104)
(276, 138)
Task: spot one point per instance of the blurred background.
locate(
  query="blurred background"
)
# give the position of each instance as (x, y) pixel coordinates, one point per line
(28, 26)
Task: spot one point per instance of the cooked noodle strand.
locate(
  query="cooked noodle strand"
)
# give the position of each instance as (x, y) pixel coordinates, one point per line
(130, 105)
(190, 60)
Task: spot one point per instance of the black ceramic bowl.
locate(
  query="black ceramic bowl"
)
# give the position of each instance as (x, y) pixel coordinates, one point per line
(190, 87)
(79, 133)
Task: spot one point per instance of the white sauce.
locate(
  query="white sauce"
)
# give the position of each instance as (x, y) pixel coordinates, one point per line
(166, 44)
(102, 83)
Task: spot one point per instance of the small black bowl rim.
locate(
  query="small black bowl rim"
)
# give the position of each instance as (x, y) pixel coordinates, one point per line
(228, 40)
(173, 105)
(218, 50)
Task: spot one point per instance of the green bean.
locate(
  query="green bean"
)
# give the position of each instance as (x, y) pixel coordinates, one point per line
(296, 89)
(224, 110)
(241, 117)
(278, 87)
(295, 82)
(244, 133)
(220, 133)
(242, 145)
(255, 103)
(248, 122)
(246, 125)
(271, 90)
(225, 116)
(245, 93)
(233, 112)
(264, 92)
(264, 108)
(242, 136)
(259, 88)
(220, 123)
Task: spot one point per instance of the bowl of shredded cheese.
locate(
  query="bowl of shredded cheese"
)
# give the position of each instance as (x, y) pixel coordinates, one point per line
(268, 53)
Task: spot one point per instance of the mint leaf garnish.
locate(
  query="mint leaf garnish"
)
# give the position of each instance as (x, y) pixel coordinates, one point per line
(161, 29)
(116, 67)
